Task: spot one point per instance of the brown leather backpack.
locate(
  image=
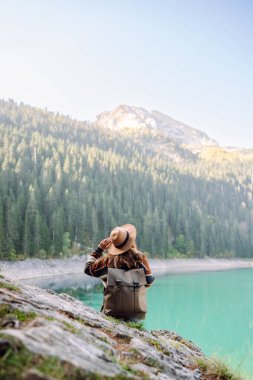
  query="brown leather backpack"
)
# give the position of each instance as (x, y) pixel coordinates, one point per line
(125, 294)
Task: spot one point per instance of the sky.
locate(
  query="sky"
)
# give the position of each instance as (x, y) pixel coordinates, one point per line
(190, 59)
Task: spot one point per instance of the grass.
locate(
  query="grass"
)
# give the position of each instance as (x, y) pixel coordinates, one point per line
(71, 328)
(24, 317)
(141, 374)
(158, 346)
(135, 357)
(105, 339)
(152, 363)
(9, 287)
(112, 319)
(7, 312)
(136, 325)
(4, 310)
(127, 367)
(50, 319)
(155, 343)
(176, 344)
(214, 368)
(67, 326)
(17, 360)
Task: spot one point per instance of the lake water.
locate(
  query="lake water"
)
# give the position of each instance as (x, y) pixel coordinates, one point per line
(213, 309)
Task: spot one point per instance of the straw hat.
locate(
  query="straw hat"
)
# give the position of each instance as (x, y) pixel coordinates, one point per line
(122, 238)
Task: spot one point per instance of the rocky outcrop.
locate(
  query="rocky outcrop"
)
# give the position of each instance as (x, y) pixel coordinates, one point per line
(46, 336)
(137, 118)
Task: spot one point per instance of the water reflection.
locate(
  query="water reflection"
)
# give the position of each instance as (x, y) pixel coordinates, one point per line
(71, 281)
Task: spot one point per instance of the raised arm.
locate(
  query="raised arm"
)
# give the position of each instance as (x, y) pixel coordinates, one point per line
(94, 265)
(148, 272)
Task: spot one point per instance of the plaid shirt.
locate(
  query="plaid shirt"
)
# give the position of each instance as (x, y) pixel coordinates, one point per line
(95, 266)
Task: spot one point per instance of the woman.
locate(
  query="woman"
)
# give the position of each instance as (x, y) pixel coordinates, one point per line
(124, 293)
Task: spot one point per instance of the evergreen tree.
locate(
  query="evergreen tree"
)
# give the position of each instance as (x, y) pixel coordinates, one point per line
(64, 183)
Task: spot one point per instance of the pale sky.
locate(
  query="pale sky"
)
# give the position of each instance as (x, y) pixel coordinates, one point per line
(191, 59)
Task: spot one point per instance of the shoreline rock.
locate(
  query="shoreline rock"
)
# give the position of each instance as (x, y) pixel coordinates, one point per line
(50, 336)
(38, 268)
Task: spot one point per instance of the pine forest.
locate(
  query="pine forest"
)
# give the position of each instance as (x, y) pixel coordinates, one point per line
(64, 184)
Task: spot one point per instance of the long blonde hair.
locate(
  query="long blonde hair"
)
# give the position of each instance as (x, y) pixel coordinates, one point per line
(130, 259)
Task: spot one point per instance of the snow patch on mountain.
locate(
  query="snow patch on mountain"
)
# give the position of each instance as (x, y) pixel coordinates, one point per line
(137, 118)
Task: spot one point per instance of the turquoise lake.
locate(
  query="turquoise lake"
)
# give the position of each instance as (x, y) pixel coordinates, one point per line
(213, 309)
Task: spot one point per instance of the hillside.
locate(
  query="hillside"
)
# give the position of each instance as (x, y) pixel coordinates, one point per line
(45, 336)
(65, 184)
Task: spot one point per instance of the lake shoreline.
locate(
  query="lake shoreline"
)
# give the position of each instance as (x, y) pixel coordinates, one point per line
(49, 268)
(85, 343)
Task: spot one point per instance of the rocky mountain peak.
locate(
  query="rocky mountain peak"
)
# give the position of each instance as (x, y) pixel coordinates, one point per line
(137, 118)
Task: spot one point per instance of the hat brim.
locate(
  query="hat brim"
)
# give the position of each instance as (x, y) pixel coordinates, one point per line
(131, 240)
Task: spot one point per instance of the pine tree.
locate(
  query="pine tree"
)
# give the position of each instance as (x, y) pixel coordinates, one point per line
(1, 229)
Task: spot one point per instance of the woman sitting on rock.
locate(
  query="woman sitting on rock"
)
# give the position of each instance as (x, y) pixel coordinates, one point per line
(125, 273)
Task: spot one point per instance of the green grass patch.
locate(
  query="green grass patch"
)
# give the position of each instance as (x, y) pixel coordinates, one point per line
(7, 312)
(176, 344)
(17, 360)
(105, 339)
(112, 319)
(70, 327)
(214, 368)
(51, 319)
(9, 287)
(158, 346)
(136, 325)
(142, 375)
(24, 317)
(66, 325)
(155, 343)
(4, 310)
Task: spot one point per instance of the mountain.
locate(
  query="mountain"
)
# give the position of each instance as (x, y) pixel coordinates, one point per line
(64, 184)
(126, 117)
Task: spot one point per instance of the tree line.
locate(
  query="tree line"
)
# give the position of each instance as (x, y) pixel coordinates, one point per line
(65, 184)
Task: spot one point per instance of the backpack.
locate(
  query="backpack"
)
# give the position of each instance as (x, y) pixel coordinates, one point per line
(125, 293)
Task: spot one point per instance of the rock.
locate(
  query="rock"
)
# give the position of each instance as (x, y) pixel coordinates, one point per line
(11, 322)
(34, 374)
(82, 343)
(4, 347)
